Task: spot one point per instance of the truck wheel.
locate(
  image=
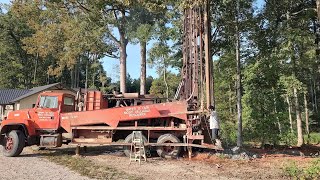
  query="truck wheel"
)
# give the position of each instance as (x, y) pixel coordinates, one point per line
(14, 143)
(127, 149)
(168, 152)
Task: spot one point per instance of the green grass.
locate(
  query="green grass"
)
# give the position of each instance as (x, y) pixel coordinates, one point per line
(292, 170)
(312, 171)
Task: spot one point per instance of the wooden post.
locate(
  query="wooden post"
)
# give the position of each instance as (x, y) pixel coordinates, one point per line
(78, 150)
(190, 152)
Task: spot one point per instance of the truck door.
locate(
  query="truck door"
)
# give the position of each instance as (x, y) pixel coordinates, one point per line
(47, 113)
(68, 104)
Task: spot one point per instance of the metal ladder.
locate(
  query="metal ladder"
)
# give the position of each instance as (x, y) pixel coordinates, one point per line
(137, 147)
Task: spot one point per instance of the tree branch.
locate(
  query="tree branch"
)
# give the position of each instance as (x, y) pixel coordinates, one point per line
(83, 7)
(112, 56)
(216, 31)
(115, 15)
(306, 9)
(114, 38)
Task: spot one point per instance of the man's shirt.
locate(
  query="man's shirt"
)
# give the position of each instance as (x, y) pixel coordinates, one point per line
(214, 120)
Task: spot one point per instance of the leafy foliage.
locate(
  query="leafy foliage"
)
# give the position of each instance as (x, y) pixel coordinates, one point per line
(158, 87)
(310, 172)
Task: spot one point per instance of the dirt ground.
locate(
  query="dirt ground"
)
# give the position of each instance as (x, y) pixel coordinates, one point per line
(157, 168)
(205, 165)
(202, 165)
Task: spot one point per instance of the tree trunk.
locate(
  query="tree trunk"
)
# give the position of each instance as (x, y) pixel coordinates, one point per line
(35, 69)
(298, 116)
(290, 111)
(295, 92)
(78, 74)
(312, 95)
(75, 76)
(123, 61)
(230, 99)
(306, 112)
(318, 9)
(318, 28)
(86, 83)
(317, 50)
(276, 110)
(143, 76)
(165, 82)
(48, 81)
(94, 58)
(239, 94)
(315, 95)
(72, 76)
(93, 78)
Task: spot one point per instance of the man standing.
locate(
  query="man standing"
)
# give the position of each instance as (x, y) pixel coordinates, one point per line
(214, 125)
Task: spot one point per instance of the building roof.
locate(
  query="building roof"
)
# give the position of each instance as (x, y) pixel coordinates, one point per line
(8, 95)
(37, 90)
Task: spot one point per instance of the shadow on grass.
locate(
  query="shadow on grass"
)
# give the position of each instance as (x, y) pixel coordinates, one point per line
(70, 150)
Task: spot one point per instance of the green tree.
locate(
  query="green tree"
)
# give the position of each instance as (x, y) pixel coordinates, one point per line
(233, 22)
(165, 89)
(64, 42)
(16, 63)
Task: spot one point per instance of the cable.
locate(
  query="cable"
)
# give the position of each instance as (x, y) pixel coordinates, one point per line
(191, 93)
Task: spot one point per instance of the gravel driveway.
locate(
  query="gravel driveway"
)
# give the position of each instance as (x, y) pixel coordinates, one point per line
(29, 167)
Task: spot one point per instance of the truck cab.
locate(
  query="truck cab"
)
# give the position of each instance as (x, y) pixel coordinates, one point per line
(46, 113)
(39, 125)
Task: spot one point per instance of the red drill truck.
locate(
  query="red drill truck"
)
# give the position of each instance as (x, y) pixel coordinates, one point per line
(56, 119)
(107, 120)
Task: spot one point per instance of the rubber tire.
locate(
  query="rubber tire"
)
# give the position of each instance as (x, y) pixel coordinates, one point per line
(127, 149)
(172, 138)
(18, 143)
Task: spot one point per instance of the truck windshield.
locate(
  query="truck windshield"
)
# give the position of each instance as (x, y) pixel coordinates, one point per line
(48, 102)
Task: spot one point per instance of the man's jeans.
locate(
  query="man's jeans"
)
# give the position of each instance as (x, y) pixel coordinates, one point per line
(215, 133)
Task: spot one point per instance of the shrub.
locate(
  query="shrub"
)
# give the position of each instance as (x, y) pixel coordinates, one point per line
(313, 171)
(289, 138)
(314, 138)
(292, 170)
(310, 172)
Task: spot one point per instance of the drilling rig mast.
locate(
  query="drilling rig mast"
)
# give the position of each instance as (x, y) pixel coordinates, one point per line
(197, 82)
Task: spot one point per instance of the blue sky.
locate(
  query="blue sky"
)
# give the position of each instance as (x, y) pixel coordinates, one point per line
(133, 63)
(133, 59)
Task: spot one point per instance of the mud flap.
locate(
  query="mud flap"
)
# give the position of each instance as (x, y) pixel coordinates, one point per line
(32, 140)
(1, 140)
